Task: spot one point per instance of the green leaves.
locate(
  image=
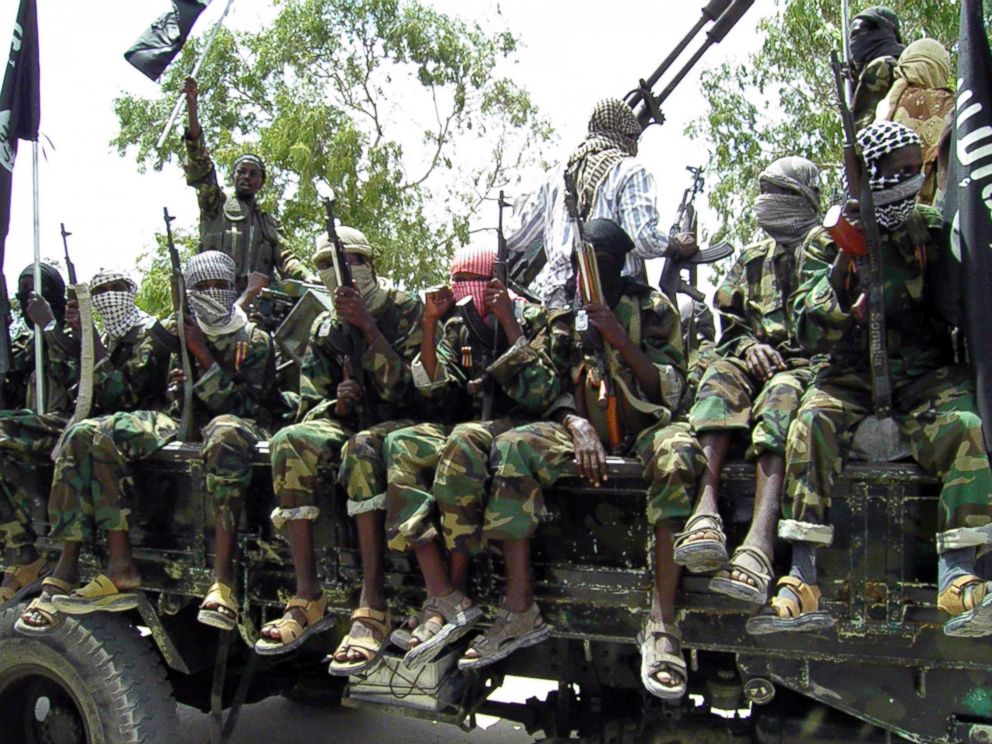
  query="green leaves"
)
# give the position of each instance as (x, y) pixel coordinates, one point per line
(337, 90)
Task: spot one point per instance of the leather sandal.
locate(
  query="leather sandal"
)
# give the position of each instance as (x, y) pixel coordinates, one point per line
(43, 608)
(785, 615)
(968, 600)
(24, 576)
(701, 555)
(755, 565)
(293, 634)
(458, 615)
(100, 595)
(510, 631)
(375, 625)
(655, 661)
(223, 612)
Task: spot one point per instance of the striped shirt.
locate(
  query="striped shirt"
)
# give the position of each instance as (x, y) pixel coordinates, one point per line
(627, 196)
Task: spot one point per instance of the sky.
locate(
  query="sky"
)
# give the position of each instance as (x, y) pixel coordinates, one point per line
(573, 53)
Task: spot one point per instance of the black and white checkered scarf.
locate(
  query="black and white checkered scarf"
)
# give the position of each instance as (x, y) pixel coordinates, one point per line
(894, 196)
(116, 307)
(613, 134)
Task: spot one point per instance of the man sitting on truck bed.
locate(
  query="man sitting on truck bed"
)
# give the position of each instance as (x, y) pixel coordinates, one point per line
(754, 387)
(234, 402)
(337, 399)
(934, 399)
(643, 329)
(493, 388)
(27, 435)
(130, 379)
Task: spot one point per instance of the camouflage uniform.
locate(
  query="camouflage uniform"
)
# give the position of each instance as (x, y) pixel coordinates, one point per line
(752, 302)
(26, 437)
(525, 384)
(934, 403)
(873, 86)
(228, 224)
(535, 456)
(300, 451)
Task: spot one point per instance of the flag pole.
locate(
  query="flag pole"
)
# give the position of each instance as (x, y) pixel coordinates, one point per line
(196, 69)
(39, 347)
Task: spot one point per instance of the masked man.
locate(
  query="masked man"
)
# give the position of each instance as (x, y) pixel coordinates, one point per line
(933, 399)
(754, 387)
(27, 436)
(342, 393)
(876, 43)
(130, 380)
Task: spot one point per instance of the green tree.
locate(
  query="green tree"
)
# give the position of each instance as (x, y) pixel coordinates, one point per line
(781, 100)
(399, 108)
(155, 293)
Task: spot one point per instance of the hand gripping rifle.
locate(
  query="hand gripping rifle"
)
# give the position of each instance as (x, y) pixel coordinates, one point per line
(591, 291)
(342, 271)
(724, 14)
(870, 270)
(672, 282)
(178, 282)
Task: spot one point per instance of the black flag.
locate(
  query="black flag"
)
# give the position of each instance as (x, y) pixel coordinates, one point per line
(20, 113)
(968, 202)
(160, 44)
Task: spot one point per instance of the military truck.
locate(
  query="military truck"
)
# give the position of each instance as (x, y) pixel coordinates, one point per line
(885, 671)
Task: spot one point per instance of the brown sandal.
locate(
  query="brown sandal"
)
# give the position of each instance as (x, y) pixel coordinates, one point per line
(785, 615)
(377, 624)
(458, 615)
(24, 576)
(968, 600)
(509, 632)
(293, 634)
(42, 607)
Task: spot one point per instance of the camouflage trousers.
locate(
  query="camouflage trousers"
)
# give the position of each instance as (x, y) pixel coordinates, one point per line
(363, 467)
(93, 477)
(25, 438)
(533, 457)
(726, 402)
(937, 414)
(228, 453)
(673, 461)
(432, 464)
(299, 452)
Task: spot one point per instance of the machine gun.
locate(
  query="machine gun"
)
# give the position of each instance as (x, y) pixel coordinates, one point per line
(724, 14)
(342, 271)
(178, 283)
(591, 291)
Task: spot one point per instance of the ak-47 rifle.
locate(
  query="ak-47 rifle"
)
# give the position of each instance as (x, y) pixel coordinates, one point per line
(724, 14)
(342, 271)
(178, 282)
(672, 281)
(70, 267)
(500, 272)
(870, 267)
(591, 292)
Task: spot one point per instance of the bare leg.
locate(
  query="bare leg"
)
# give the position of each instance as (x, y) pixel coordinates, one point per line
(666, 585)
(460, 562)
(67, 569)
(372, 547)
(767, 498)
(299, 532)
(715, 445)
(120, 566)
(519, 589)
(435, 574)
(226, 544)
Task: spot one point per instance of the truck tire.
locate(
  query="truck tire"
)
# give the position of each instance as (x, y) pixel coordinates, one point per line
(91, 682)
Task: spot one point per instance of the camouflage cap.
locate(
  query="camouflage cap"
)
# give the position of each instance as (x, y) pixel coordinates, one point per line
(354, 242)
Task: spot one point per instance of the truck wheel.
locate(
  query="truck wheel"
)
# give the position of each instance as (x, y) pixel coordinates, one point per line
(91, 682)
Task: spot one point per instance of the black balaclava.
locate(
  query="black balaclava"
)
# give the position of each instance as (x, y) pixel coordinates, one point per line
(612, 245)
(882, 39)
(52, 289)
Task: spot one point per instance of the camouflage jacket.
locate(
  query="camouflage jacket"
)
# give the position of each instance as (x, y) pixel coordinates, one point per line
(652, 322)
(61, 373)
(873, 85)
(135, 373)
(753, 302)
(525, 379)
(385, 364)
(234, 226)
(918, 337)
(241, 381)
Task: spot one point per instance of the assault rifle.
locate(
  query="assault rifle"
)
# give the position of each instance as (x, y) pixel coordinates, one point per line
(500, 272)
(672, 281)
(724, 14)
(591, 291)
(342, 272)
(869, 266)
(178, 282)
(70, 267)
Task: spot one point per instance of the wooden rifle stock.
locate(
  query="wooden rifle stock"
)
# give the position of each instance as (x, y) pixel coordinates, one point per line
(178, 282)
